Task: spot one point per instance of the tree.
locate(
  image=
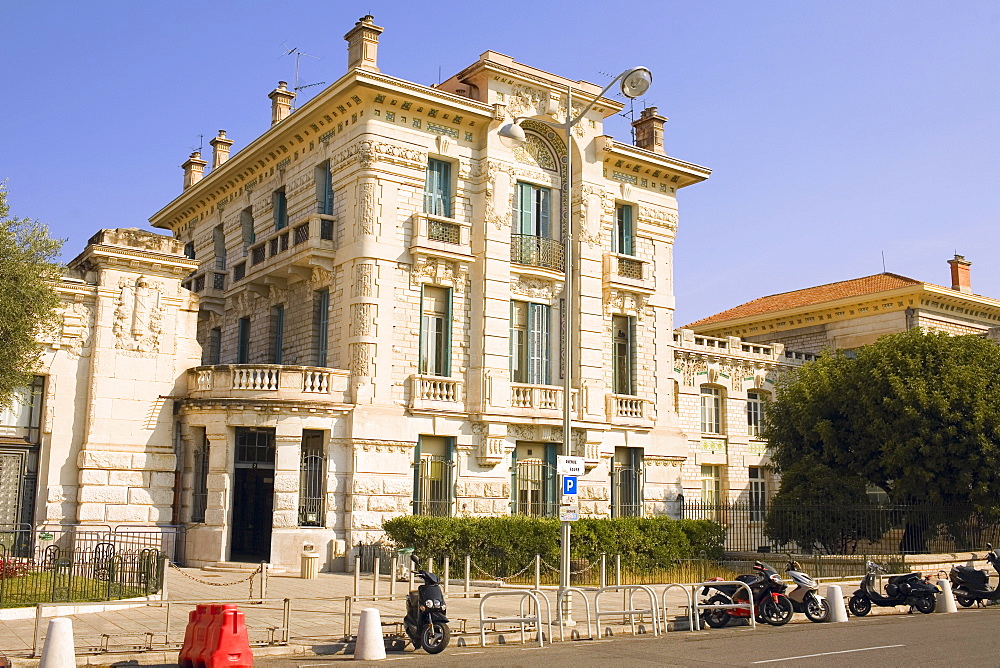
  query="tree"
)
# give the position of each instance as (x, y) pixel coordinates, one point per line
(915, 413)
(28, 300)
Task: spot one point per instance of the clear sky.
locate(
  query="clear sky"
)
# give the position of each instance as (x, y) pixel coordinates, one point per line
(837, 131)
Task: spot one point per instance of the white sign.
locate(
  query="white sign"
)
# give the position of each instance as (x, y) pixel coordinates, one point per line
(569, 513)
(569, 465)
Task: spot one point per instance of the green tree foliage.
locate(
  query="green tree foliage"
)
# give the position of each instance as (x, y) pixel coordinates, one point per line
(28, 301)
(915, 413)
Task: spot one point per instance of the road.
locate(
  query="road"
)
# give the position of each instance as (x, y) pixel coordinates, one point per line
(968, 637)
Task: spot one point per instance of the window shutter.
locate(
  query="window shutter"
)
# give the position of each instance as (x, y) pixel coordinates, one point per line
(625, 235)
(538, 344)
(522, 209)
(446, 348)
(543, 227)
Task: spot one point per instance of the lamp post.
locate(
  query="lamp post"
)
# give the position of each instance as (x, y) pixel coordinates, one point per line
(634, 82)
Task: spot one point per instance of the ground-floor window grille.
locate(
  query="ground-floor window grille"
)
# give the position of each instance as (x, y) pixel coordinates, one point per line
(758, 494)
(433, 487)
(199, 486)
(626, 483)
(311, 477)
(535, 488)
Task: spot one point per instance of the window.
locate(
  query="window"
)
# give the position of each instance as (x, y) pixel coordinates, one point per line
(532, 211)
(711, 410)
(711, 484)
(243, 341)
(437, 188)
(20, 423)
(623, 355)
(529, 343)
(312, 468)
(534, 481)
(755, 413)
(324, 189)
(277, 333)
(189, 250)
(219, 246)
(435, 331)
(246, 227)
(199, 483)
(321, 321)
(626, 483)
(624, 234)
(280, 203)
(432, 486)
(211, 353)
(758, 494)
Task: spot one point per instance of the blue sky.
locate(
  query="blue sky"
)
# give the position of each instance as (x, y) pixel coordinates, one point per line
(837, 131)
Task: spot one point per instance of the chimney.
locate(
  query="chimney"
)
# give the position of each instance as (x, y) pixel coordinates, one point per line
(649, 131)
(220, 148)
(194, 169)
(281, 102)
(362, 44)
(961, 278)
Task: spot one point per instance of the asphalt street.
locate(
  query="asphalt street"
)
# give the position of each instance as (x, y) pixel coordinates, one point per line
(968, 637)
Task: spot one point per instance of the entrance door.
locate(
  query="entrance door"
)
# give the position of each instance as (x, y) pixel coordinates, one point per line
(253, 495)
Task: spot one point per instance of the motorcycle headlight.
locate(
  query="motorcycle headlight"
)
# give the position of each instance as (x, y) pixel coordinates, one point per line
(429, 603)
(777, 578)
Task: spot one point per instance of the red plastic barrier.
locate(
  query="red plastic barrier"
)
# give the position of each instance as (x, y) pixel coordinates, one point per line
(194, 636)
(207, 632)
(229, 643)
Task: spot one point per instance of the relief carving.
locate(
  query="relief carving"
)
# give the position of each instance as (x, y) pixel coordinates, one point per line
(364, 280)
(535, 288)
(526, 101)
(362, 319)
(138, 317)
(362, 359)
(366, 215)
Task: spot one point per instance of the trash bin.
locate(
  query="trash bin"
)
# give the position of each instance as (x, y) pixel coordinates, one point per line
(403, 564)
(310, 563)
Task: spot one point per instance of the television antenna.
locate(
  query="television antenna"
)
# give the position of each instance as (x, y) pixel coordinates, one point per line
(298, 53)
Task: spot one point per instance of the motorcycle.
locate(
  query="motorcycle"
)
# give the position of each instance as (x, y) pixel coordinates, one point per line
(426, 623)
(973, 586)
(770, 604)
(909, 589)
(805, 597)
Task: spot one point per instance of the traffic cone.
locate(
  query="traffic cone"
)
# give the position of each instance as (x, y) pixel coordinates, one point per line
(370, 645)
(58, 650)
(835, 597)
(945, 598)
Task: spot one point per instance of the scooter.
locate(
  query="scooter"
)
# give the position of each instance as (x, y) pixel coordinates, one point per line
(973, 586)
(805, 597)
(426, 623)
(909, 589)
(770, 605)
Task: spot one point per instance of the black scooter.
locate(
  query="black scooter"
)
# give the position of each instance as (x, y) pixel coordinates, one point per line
(426, 623)
(973, 586)
(909, 589)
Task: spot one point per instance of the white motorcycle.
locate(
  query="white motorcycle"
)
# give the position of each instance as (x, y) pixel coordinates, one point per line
(805, 597)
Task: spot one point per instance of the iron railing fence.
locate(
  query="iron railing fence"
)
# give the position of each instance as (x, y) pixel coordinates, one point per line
(24, 541)
(369, 551)
(850, 530)
(537, 251)
(100, 573)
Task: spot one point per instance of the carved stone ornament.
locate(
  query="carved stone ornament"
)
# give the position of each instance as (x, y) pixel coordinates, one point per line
(362, 359)
(536, 153)
(623, 302)
(436, 271)
(319, 278)
(133, 237)
(367, 152)
(535, 288)
(363, 319)
(366, 214)
(364, 280)
(138, 321)
(526, 101)
(244, 303)
(522, 432)
(658, 217)
(499, 186)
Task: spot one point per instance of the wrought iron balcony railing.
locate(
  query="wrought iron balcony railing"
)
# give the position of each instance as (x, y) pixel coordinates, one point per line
(537, 251)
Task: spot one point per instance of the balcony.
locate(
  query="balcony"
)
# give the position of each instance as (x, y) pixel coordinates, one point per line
(537, 252)
(289, 254)
(540, 400)
(440, 237)
(269, 381)
(437, 393)
(629, 273)
(626, 409)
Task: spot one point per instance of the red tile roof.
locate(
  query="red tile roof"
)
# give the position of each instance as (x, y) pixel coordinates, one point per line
(855, 287)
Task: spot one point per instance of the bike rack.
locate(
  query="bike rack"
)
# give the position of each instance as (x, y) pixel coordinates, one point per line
(692, 625)
(653, 610)
(523, 593)
(560, 595)
(548, 608)
(723, 606)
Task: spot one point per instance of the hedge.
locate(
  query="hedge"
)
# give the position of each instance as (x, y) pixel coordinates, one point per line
(647, 542)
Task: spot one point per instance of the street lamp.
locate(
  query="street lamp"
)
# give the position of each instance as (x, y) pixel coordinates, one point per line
(634, 82)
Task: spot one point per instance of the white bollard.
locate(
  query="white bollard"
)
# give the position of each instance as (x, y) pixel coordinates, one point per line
(835, 597)
(370, 645)
(945, 598)
(58, 650)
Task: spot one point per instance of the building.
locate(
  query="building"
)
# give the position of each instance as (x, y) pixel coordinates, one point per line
(379, 285)
(850, 314)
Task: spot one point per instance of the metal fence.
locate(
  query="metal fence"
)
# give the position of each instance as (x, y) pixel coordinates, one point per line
(100, 573)
(30, 542)
(864, 529)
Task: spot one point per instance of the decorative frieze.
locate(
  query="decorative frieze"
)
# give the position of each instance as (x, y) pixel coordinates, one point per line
(138, 317)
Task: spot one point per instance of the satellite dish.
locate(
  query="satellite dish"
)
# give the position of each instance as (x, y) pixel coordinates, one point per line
(636, 81)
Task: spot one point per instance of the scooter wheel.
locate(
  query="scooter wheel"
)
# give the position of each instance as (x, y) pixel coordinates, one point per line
(435, 638)
(926, 603)
(717, 618)
(859, 606)
(964, 599)
(777, 611)
(817, 609)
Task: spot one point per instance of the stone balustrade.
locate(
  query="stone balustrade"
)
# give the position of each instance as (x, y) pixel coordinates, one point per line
(269, 381)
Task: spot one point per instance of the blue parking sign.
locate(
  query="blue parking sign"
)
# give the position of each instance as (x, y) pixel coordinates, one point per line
(569, 484)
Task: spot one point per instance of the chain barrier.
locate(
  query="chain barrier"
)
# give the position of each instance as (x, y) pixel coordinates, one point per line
(502, 579)
(220, 584)
(579, 572)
